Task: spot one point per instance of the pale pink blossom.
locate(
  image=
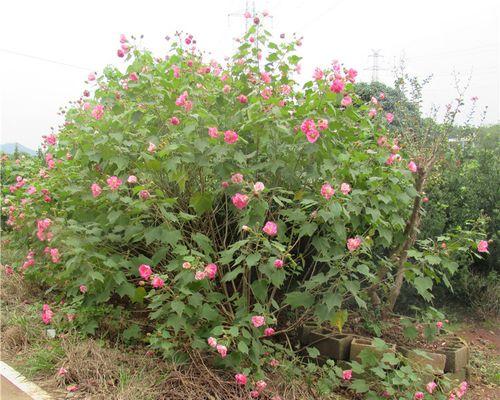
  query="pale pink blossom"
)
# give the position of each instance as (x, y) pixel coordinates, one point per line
(318, 74)
(132, 179)
(98, 111)
(212, 342)
(123, 38)
(425, 199)
(31, 190)
(91, 77)
(346, 101)
(237, 178)
(439, 324)
(285, 89)
(62, 371)
(230, 137)
(258, 187)
(274, 363)
(266, 93)
(186, 265)
(240, 201)
(241, 379)
(213, 132)
(261, 385)
(211, 270)
(258, 320)
(72, 388)
(254, 394)
(145, 271)
(83, 289)
(351, 74)
(482, 246)
(270, 228)
(200, 275)
(430, 387)
(269, 332)
(327, 191)
(96, 189)
(151, 147)
(389, 117)
(353, 243)
(114, 182)
(222, 350)
(372, 113)
(382, 140)
(157, 282)
(347, 374)
(266, 78)
(322, 124)
(345, 188)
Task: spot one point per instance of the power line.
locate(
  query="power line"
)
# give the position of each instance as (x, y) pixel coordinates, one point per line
(16, 53)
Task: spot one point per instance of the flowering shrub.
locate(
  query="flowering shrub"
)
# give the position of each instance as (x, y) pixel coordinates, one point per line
(206, 203)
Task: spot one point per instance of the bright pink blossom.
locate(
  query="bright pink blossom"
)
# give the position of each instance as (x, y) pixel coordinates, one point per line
(242, 99)
(144, 194)
(269, 332)
(258, 320)
(418, 396)
(270, 228)
(83, 289)
(347, 374)
(47, 314)
(327, 191)
(278, 263)
(389, 117)
(211, 270)
(230, 137)
(439, 324)
(145, 271)
(157, 282)
(133, 77)
(98, 111)
(353, 243)
(241, 379)
(175, 121)
(337, 86)
(114, 182)
(412, 166)
(239, 200)
(482, 246)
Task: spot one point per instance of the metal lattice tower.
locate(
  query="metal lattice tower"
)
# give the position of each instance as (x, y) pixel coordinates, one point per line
(376, 67)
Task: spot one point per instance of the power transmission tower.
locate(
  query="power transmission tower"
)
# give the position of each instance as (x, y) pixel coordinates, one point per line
(376, 67)
(248, 8)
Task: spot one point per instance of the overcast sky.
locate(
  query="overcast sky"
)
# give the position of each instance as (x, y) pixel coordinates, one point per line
(435, 36)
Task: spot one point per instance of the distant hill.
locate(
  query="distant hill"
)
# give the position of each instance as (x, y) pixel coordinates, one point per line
(9, 148)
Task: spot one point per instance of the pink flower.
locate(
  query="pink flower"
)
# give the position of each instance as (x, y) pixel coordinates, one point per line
(389, 117)
(346, 101)
(412, 166)
(83, 289)
(307, 125)
(418, 396)
(181, 100)
(31, 190)
(312, 136)
(237, 178)
(351, 74)
(239, 200)
(345, 188)
(425, 199)
(120, 53)
(144, 194)
(200, 275)
(353, 243)
(270, 228)
(390, 160)
(230, 137)
(96, 189)
(175, 121)
(242, 99)
(266, 78)
(86, 106)
(327, 191)
(374, 100)
(114, 182)
(337, 86)
(381, 95)
(133, 77)
(222, 350)
(123, 38)
(322, 124)
(213, 132)
(318, 74)
(254, 394)
(269, 332)
(266, 93)
(274, 363)
(47, 314)
(260, 385)
(98, 111)
(132, 179)
(430, 387)
(439, 324)
(186, 265)
(211, 270)
(482, 246)
(258, 320)
(158, 282)
(177, 71)
(382, 140)
(347, 374)
(151, 147)
(258, 187)
(91, 77)
(212, 342)
(372, 113)
(72, 388)
(278, 263)
(241, 379)
(285, 89)
(145, 271)
(62, 371)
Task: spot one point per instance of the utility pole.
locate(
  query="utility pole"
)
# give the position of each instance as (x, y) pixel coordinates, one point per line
(377, 56)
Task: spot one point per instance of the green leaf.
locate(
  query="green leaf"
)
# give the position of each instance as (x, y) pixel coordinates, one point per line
(307, 229)
(178, 306)
(201, 202)
(299, 299)
(339, 319)
(359, 386)
(423, 284)
(243, 347)
(313, 352)
(132, 332)
(253, 259)
(231, 275)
